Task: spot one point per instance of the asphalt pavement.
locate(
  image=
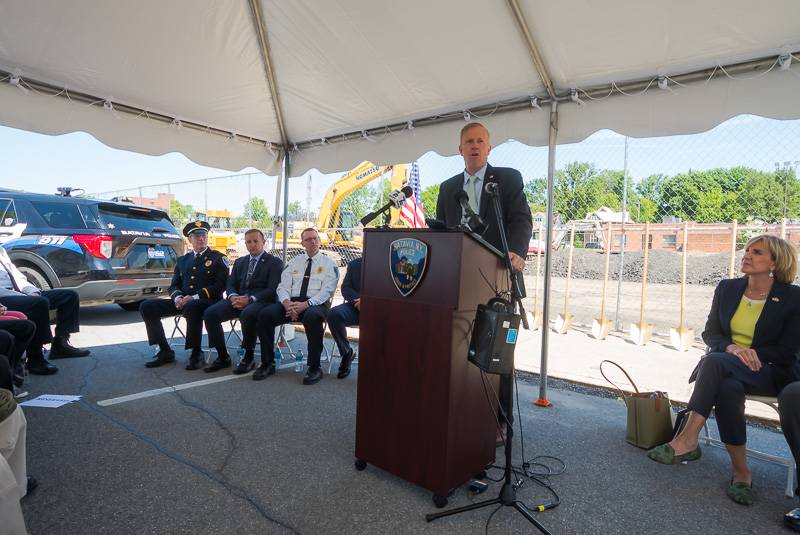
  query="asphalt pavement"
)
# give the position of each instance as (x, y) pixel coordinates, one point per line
(240, 456)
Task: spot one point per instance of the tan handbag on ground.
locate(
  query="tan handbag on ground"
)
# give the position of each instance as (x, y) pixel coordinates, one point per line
(650, 419)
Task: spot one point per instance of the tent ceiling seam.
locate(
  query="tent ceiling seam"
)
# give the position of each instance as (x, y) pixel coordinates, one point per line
(602, 91)
(50, 90)
(269, 68)
(538, 62)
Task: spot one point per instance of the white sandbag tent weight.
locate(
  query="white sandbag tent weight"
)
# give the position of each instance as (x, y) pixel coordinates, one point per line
(240, 83)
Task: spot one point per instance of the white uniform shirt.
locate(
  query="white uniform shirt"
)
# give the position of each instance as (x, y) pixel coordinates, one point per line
(321, 284)
(6, 286)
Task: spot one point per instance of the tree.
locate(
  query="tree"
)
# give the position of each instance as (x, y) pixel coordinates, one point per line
(294, 209)
(256, 210)
(580, 189)
(180, 213)
(536, 193)
(429, 197)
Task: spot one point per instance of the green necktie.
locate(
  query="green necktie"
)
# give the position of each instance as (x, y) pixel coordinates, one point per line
(472, 193)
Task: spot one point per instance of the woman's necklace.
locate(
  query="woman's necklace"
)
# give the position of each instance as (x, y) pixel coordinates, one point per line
(755, 296)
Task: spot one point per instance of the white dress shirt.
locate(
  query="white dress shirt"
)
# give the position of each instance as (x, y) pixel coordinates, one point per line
(6, 285)
(321, 284)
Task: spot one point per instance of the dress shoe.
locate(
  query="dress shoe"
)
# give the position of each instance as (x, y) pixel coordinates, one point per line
(344, 366)
(62, 349)
(313, 375)
(32, 484)
(264, 371)
(195, 360)
(161, 358)
(792, 519)
(244, 366)
(218, 364)
(38, 365)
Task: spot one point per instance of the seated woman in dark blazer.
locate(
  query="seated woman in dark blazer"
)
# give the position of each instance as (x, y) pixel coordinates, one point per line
(753, 336)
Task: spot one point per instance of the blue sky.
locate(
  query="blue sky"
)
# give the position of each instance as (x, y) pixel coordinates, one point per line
(40, 163)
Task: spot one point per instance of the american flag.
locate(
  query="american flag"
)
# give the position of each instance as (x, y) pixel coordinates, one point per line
(412, 212)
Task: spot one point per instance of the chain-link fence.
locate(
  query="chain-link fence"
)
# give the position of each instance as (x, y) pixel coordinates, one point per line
(717, 188)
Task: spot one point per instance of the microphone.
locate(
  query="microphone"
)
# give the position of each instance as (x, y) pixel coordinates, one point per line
(436, 224)
(471, 220)
(492, 188)
(396, 199)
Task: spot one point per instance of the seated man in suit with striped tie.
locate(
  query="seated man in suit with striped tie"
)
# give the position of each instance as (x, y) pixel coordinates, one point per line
(304, 294)
(251, 287)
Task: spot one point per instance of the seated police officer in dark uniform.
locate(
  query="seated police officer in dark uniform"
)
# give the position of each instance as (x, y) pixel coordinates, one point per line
(18, 294)
(251, 287)
(198, 282)
(346, 315)
(304, 294)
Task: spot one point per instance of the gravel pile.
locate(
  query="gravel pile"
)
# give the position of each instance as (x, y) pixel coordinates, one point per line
(664, 266)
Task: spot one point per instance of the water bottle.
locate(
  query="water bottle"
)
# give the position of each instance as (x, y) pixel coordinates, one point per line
(299, 358)
(239, 355)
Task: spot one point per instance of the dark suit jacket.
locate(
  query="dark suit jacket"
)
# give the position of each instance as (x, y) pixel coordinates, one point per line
(205, 275)
(351, 286)
(264, 281)
(777, 334)
(516, 213)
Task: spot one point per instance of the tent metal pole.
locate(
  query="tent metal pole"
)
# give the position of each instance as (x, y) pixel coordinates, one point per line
(548, 257)
(286, 171)
(269, 69)
(536, 57)
(277, 210)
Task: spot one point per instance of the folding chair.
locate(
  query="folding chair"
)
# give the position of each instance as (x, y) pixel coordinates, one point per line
(177, 329)
(282, 346)
(787, 461)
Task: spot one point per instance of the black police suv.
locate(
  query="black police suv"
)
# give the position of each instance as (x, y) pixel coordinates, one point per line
(106, 251)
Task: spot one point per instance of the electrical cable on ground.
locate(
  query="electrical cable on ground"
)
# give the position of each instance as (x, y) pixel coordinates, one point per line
(534, 469)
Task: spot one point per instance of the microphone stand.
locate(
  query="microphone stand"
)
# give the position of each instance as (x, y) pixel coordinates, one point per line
(508, 492)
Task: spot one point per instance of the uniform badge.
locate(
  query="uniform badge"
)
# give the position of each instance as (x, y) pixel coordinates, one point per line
(320, 269)
(408, 258)
(208, 263)
(198, 223)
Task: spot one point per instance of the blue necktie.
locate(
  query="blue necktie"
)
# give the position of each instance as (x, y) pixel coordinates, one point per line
(250, 269)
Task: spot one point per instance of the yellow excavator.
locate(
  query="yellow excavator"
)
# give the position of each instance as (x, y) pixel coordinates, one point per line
(221, 238)
(334, 221)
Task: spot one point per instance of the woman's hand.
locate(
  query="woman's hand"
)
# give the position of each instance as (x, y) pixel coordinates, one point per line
(748, 356)
(3, 310)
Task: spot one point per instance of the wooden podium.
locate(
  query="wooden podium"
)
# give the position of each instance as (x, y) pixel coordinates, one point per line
(422, 411)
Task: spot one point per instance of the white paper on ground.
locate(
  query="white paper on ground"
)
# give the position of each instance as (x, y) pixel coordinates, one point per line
(50, 401)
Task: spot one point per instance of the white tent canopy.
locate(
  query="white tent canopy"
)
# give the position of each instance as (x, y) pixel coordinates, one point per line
(192, 75)
(239, 83)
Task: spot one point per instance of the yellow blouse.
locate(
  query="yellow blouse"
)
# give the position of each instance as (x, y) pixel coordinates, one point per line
(743, 322)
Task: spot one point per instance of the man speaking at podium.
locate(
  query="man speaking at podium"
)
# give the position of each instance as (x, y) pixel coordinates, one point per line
(474, 147)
